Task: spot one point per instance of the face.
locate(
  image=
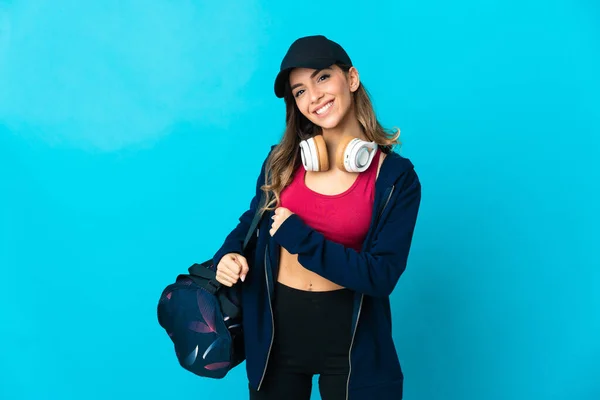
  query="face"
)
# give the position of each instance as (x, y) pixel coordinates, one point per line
(324, 96)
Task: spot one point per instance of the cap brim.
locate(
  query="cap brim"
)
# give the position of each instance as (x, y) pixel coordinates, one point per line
(284, 74)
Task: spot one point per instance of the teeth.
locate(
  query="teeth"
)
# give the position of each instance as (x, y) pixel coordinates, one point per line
(324, 108)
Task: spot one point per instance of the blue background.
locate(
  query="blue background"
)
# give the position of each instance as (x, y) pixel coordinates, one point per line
(131, 134)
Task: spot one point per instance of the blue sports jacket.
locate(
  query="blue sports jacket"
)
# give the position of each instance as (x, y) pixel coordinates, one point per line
(372, 273)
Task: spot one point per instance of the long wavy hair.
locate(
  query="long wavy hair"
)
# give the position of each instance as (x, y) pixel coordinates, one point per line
(285, 157)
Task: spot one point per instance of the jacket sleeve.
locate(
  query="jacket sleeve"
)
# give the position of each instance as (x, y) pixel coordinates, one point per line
(234, 241)
(375, 272)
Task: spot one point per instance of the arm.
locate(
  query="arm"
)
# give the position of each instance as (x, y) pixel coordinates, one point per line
(375, 272)
(235, 239)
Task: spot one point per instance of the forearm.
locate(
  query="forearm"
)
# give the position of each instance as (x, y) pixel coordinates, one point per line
(374, 272)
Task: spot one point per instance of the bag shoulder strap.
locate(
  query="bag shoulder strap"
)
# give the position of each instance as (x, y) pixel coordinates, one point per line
(203, 270)
(257, 216)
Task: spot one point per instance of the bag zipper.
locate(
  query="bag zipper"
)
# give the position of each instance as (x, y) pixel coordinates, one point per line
(360, 308)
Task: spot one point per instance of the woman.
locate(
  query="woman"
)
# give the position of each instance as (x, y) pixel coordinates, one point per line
(341, 213)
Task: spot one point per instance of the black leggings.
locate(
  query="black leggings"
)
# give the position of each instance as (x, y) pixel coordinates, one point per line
(312, 337)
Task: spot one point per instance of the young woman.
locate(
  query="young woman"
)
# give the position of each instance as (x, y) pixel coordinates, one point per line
(333, 241)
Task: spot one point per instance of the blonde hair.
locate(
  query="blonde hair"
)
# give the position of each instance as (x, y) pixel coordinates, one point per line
(285, 157)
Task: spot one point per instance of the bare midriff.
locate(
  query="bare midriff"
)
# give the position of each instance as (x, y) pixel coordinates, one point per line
(293, 274)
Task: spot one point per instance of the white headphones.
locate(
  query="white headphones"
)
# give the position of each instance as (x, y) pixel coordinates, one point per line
(353, 154)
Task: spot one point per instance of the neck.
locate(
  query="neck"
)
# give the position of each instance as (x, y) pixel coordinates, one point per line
(348, 127)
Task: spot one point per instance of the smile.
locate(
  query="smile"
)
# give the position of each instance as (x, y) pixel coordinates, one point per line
(325, 109)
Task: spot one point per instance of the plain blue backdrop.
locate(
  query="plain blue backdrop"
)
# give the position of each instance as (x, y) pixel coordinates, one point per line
(128, 127)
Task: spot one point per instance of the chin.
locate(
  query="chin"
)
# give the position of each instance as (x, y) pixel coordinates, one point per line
(332, 121)
(330, 124)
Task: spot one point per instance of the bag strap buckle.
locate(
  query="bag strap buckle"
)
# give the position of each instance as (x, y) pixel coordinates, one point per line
(213, 286)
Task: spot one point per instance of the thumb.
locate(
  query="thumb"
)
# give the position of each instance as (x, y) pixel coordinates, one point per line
(244, 264)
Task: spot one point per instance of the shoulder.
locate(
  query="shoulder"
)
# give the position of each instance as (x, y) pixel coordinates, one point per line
(396, 169)
(265, 163)
(268, 155)
(401, 176)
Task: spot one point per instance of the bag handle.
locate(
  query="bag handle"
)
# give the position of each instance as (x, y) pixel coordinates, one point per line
(211, 285)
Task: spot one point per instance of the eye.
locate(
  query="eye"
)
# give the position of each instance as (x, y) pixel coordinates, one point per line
(298, 93)
(323, 77)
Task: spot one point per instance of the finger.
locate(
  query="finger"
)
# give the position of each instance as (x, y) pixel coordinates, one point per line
(234, 266)
(228, 275)
(242, 260)
(223, 280)
(225, 272)
(233, 257)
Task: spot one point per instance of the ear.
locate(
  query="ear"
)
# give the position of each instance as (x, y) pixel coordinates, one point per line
(353, 79)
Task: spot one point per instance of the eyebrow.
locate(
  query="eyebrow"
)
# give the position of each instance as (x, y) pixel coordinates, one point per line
(311, 76)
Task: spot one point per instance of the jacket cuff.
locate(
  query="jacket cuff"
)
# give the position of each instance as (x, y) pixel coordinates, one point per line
(291, 233)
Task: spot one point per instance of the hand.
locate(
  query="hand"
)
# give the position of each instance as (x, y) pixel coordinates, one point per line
(281, 214)
(231, 267)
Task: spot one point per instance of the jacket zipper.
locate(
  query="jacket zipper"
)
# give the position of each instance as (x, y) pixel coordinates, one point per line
(272, 320)
(352, 343)
(360, 308)
(386, 202)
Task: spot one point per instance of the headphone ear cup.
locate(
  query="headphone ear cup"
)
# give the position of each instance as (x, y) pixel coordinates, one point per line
(321, 153)
(314, 154)
(342, 155)
(306, 156)
(357, 154)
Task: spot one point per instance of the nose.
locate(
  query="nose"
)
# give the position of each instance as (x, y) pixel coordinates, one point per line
(315, 94)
